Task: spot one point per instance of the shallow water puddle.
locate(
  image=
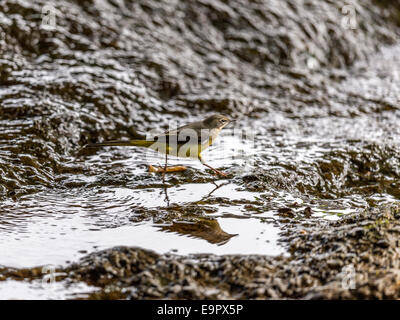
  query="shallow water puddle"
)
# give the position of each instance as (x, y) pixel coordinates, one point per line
(53, 228)
(38, 290)
(224, 236)
(332, 214)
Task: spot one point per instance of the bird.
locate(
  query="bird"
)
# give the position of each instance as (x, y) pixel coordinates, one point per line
(187, 141)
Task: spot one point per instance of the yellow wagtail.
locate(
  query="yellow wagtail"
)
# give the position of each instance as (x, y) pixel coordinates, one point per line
(187, 141)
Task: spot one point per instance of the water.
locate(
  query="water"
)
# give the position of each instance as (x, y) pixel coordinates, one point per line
(37, 290)
(60, 227)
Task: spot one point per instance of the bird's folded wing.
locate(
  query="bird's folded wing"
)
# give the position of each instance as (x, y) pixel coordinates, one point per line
(183, 136)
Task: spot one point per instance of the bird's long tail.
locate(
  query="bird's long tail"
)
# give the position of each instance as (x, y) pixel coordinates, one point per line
(135, 143)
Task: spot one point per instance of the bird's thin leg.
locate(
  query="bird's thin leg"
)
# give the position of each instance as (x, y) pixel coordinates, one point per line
(165, 168)
(215, 170)
(166, 196)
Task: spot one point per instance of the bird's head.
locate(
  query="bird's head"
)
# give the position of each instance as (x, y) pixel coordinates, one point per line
(216, 121)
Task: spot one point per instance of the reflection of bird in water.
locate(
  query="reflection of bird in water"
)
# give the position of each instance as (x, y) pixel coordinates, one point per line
(213, 190)
(202, 199)
(207, 229)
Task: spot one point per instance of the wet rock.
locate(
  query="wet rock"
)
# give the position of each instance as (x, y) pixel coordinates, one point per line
(320, 98)
(307, 212)
(286, 212)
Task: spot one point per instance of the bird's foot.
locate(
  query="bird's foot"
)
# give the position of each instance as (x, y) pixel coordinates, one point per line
(166, 170)
(220, 173)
